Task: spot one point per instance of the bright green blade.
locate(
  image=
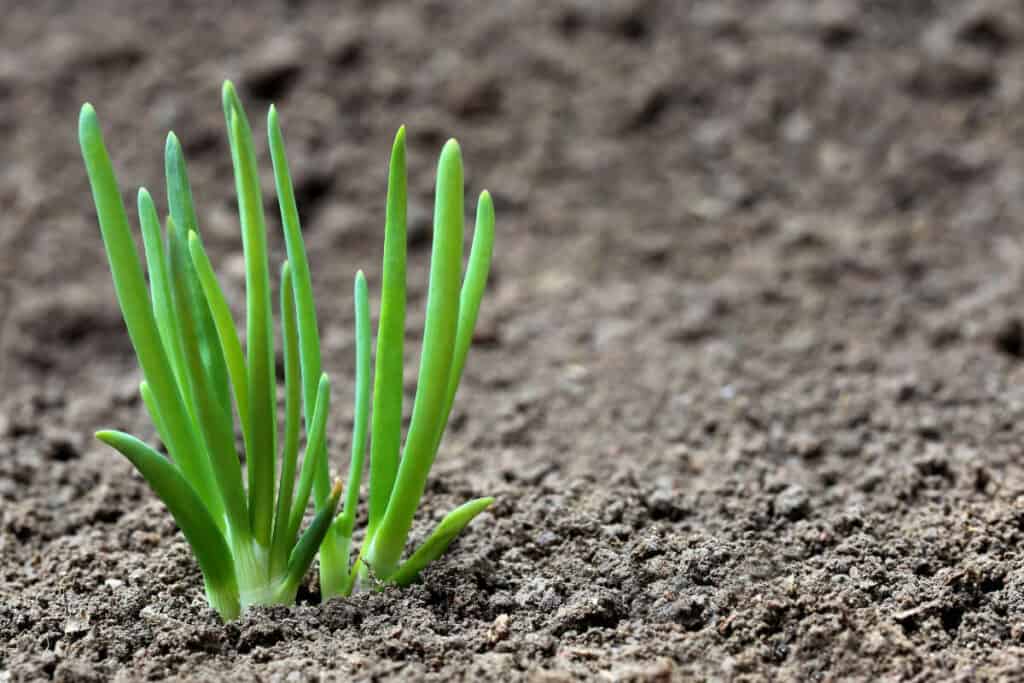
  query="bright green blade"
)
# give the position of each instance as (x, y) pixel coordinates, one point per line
(180, 436)
(225, 326)
(331, 562)
(362, 397)
(293, 410)
(473, 286)
(315, 450)
(343, 525)
(386, 440)
(160, 290)
(204, 362)
(439, 540)
(179, 189)
(259, 331)
(192, 516)
(305, 550)
(435, 366)
(309, 336)
(207, 343)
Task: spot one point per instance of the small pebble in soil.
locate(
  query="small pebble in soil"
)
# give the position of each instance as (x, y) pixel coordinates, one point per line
(792, 503)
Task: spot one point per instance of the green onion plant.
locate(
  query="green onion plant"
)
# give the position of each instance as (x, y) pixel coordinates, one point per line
(197, 378)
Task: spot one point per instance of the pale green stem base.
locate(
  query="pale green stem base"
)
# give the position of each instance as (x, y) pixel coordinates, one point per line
(258, 583)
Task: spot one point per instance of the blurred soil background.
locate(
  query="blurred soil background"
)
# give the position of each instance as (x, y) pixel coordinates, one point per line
(747, 383)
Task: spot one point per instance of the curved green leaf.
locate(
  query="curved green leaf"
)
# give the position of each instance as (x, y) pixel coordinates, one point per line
(191, 514)
(305, 550)
(439, 540)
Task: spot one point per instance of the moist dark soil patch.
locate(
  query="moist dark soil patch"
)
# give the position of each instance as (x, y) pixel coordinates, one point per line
(748, 383)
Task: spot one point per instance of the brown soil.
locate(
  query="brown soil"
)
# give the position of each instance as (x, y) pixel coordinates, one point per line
(748, 381)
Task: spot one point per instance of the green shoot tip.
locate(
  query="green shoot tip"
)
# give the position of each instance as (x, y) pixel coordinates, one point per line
(105, 435)
(88, 123)
(229, 99)
(451, 147)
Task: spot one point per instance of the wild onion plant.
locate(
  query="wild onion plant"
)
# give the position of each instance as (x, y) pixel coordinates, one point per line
(246, 541)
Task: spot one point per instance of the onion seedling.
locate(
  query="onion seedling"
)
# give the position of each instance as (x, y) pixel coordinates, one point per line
(247, 544)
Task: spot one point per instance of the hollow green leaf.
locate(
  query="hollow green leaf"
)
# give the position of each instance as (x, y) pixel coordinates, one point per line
(305, 550)
(204, 361)
(331, 561)
(160, 290)
(386, 440)
(293, 409)
(315, 448)
(226, 331)
(439, 540)
(192, 516)
(259, 331)
(473, 285)
(345, 522)
(180, 435)
(362, 395)
(309, 336)
(185, 281)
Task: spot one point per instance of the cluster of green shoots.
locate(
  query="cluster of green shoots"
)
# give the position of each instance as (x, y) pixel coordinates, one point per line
(198, 377)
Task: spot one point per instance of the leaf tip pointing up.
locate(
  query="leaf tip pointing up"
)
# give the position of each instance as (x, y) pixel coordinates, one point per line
(88, 123)
(227, 90)
(87, 112)
(172, 142)
(451, 148)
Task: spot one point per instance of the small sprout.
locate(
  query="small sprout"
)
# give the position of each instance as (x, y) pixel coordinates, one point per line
(197, 377)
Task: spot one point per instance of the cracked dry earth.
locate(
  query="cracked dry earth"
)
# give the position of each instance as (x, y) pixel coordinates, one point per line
(748, 382)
